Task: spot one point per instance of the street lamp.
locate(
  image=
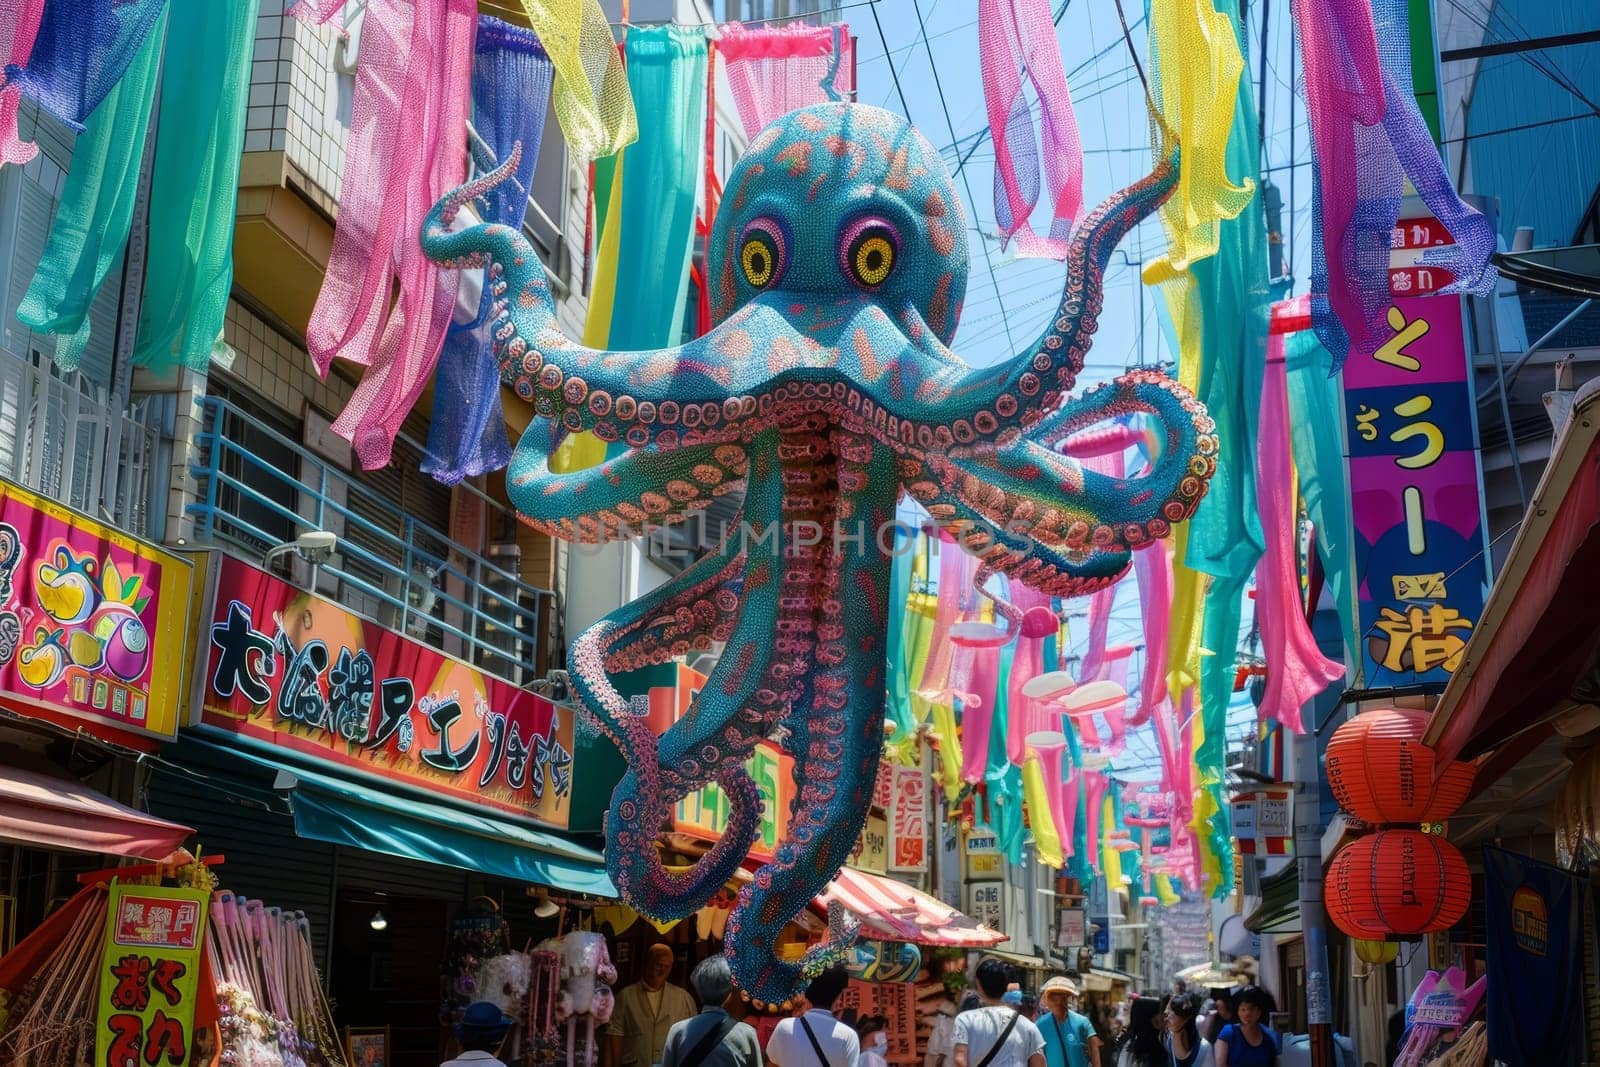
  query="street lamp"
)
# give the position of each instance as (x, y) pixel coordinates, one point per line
(314, 546)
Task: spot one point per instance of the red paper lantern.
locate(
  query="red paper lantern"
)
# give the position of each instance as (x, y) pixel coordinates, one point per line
(1397, 884)
(1380, 771)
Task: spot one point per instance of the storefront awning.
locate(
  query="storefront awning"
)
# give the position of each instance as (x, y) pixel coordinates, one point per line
(1279, 910)
(894, 911)
(341, 812)
(1538, 635)
(38, 809)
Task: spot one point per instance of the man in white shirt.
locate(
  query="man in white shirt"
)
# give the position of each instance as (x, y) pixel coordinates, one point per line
(817, 1039)
(996, 1035)
(481, 1032)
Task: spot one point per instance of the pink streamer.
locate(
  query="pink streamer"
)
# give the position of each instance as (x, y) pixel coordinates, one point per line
(1068, 806)
(19, 26)
(407, 148)
(1296, 668)
(977, 714)
(1094, 785)
(1183, 766)
(1115, 670)
(956, 569)
(1017, 37)
(1027, 662)
(774, 70)
(1153, 568)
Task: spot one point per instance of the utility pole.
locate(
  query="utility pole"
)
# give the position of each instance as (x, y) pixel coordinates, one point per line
(1313, 917)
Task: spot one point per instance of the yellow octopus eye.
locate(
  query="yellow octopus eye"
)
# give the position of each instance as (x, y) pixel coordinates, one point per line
(874, 259)
(761, 252)
(868, 249)
(757, 260)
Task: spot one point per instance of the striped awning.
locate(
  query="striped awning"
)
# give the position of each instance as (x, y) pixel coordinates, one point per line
(893, 911)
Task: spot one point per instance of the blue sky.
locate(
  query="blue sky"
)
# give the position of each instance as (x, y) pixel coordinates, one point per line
(1109, 103)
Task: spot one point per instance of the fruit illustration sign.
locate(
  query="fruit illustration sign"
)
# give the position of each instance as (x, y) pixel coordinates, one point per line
(1414, 478)
(93, 623)
(300, 673)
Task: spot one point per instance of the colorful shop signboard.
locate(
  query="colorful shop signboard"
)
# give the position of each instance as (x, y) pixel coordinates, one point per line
(149, 974)
(1414, 477)
(93, 623)
(299, 673)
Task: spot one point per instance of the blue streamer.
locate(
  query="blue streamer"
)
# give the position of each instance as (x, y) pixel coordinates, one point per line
(82, 51)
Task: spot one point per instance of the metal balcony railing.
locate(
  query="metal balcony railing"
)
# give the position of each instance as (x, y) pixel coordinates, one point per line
(404, 573)
(60, 440)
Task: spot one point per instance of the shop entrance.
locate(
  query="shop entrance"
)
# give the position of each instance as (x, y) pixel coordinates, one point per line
(390, 976)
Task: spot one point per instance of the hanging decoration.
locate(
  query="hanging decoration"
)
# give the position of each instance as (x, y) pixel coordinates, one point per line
(884, 406)
(592, 101)
(774, 70)
(19, 26)
(95, 213)
(511, 78)
(1398, 882)
(1370, 138)
(188, 270)
(406, 147)
(1196, 65)
(1017, 39)
(1380, 771)
(82, 52)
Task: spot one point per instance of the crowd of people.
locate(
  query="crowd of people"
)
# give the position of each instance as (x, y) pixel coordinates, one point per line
(999, 1024)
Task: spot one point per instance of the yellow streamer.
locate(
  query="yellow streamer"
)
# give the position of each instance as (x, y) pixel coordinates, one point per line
(1165, 893)
(591, 98)
(580, 451)
(1184, 623)
(1196, 64)
(1040, 819)
(1110, 858)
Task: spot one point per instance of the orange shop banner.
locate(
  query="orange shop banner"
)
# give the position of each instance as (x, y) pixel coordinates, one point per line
(93, 622)
(293, 671)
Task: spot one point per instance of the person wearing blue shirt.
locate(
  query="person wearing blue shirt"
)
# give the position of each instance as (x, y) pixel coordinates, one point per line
(1247, 1043)
(1069, 1038)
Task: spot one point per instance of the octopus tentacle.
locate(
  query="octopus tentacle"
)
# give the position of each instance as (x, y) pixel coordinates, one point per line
(837, 740)
(1036, 378)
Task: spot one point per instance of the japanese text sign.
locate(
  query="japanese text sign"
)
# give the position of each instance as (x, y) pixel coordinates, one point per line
(93, 623)
(895, 1001)
(983, 858)
(986, 903)
(1072, 929)
(149, 974)
(1414, 478)
(872, 847)
(298, 672)
(908, 820)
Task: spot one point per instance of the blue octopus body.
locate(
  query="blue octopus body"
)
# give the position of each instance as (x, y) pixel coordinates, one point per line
(825, 389)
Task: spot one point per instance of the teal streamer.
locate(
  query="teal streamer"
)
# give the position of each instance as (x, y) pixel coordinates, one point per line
(660, 174)
(195, 188)
(92, 221)
(1314, 409)
(1225, 535)
(899, 707)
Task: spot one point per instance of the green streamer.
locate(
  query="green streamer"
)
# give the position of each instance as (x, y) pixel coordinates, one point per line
(194, 192)
(94, 216)
(1314, 417)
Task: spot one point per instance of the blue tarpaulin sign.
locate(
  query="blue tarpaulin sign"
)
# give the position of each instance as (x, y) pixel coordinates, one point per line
(1535, 929)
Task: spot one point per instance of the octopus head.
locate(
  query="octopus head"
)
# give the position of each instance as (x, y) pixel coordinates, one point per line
(842, 201)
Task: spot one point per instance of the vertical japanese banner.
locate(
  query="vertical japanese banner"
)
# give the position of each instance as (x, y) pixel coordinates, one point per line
(149, 971)
(895, 1001)
(908, 820)
(1415, 482)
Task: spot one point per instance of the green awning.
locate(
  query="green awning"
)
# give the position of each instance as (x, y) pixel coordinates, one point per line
(342, 812)
(1279, 910)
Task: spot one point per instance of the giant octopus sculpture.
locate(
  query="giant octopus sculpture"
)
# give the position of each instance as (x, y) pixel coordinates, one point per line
(838, 264)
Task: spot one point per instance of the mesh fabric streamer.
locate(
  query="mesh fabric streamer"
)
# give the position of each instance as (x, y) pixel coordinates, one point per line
(19, 25)
(591, 101)
(1370, 136)
(92, 221)
(774, 70)
(194, 187)
(511, 79)
(82, 52)
(1017, 38)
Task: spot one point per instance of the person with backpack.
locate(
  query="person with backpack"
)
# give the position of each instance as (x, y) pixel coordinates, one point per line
(713, 1037)
(996, 1035)
(817, 1038)
(1248, 1042)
